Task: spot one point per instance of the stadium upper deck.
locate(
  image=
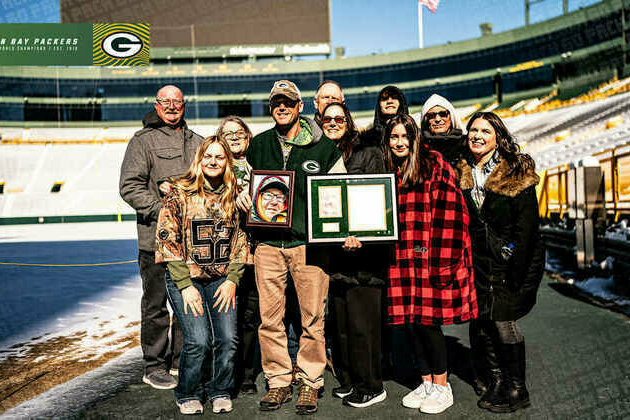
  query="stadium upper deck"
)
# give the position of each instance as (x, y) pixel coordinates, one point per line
(535, 57)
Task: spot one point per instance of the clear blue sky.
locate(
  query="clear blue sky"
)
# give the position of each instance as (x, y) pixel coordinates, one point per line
(368, 26)
(375, 26)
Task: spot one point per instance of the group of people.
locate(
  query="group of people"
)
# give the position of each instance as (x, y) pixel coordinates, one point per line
(469, 251)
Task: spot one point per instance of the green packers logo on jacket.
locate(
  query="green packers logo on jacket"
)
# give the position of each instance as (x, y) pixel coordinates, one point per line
(311, 166)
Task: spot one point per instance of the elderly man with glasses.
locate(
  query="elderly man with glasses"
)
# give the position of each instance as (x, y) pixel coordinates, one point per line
(164, 148)
(328, 92)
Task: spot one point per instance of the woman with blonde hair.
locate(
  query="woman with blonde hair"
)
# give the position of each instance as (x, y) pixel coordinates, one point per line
(199, 237)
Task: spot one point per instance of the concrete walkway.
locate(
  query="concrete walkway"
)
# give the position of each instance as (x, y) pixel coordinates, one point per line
(578, 367)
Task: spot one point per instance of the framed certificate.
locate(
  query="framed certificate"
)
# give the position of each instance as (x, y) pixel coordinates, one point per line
(339, 206)
(272, 199)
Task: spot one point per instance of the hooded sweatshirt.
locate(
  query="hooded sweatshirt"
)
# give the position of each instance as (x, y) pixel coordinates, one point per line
(154, 154)
(374, 135)
(451, 145)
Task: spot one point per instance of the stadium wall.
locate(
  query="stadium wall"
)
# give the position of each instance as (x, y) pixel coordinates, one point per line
(534, 57)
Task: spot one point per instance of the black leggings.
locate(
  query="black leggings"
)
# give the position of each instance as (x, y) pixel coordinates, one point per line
(429, 347)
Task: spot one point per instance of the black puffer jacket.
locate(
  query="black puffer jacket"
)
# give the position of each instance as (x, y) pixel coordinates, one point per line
(374, 135)
(506, 286)
(452, 146)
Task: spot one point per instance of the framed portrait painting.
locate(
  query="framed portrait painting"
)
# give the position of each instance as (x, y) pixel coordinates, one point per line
(272, 199)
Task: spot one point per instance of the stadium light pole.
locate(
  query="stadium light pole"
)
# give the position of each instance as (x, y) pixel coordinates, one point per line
(420, 29)
(528, 3)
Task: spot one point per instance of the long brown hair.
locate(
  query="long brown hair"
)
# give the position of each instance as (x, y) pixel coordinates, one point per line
(192, 182)
(346, 143)
(506, 143)
(418, 166)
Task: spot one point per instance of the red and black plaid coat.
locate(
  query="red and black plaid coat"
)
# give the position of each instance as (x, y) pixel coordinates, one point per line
(431, 280)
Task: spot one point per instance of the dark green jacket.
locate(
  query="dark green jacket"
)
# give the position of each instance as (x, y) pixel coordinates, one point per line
(318, 157)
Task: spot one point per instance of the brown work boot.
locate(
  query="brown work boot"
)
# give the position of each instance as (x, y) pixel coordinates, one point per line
(307, 400)
(275, 398)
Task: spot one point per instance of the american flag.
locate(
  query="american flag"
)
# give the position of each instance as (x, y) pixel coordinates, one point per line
(431, 4)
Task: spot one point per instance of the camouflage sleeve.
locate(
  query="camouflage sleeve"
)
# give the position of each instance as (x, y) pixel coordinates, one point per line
(248, 177)
(169, 237)
(239, 252)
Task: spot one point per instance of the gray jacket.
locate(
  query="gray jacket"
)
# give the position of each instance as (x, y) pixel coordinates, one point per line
(154, 154)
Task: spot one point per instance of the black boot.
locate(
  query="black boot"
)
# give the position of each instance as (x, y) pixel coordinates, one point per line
(484, 359)
(493, 376)
(514, 389)
(495, 393)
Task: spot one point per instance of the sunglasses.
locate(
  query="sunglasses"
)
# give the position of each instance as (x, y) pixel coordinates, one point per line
(432, 115)
(338, 119)
(289, 103)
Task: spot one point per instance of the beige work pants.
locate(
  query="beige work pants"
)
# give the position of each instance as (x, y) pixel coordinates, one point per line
(272, 265)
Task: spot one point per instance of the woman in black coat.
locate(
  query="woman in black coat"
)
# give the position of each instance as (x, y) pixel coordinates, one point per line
(499, 185)
(357, 277)
(442, 129)
(391, 101)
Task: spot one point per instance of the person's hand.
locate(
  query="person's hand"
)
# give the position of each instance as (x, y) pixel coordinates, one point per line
(165, 187)
(226, 295)
(352, 244)
(193, 299)
(244, 201)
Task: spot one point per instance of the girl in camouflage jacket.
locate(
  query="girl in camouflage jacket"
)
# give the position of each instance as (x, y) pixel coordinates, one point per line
(198, 235)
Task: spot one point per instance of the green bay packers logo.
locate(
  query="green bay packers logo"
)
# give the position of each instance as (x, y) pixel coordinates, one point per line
(120, 44)
(311, 166)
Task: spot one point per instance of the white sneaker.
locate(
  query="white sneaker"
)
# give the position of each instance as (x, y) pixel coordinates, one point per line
(439, 399)
(190, 407)
(222, 405)
(414, 398)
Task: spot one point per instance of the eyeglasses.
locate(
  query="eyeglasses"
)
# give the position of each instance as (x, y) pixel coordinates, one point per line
(233, 135)
(339, 120)
(173, 103)
(432, 115)
(269, 196)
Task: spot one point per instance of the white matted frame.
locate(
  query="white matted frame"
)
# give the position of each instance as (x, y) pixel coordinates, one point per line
(360, 205)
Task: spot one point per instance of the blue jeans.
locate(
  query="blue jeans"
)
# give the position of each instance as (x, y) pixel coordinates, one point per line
(206, 363)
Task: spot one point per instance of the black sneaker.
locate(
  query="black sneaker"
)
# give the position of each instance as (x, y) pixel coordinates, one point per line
(360, 400)
(342, 391)
(249, 388)
(159, 379)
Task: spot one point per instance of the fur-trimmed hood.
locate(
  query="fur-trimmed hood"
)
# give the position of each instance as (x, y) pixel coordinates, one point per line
(503, 179)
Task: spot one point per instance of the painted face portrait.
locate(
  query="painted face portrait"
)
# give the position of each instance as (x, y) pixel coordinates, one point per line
(271, 200)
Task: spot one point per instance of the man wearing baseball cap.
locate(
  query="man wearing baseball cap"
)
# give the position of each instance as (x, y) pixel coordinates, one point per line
(296, 143)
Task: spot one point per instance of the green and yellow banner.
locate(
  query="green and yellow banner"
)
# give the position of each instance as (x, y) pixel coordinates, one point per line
(74, 44)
